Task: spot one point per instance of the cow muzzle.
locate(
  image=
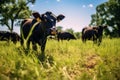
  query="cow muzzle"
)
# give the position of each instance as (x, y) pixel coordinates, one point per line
(53, 31)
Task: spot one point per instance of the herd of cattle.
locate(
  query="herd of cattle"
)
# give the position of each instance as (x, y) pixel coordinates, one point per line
(37, 31)
(93, 33)
(7, 36)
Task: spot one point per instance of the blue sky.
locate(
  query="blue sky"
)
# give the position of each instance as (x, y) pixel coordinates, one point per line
(78, 12)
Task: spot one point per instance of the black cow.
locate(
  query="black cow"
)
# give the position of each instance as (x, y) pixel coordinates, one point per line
(9, 36)
(65, 36)
(40, 31)
(93, 33)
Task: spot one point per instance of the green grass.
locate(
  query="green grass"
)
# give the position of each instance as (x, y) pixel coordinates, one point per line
(65, 60)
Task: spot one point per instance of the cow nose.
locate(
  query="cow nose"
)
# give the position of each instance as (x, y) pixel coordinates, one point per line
(54, 27)
(53, 30)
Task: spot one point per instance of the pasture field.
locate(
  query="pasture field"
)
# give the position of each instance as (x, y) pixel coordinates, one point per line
(65, 60)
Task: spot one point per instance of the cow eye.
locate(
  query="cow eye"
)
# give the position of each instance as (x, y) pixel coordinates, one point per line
(51, 20)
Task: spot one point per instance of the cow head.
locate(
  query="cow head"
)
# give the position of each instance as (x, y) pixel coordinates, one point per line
(50, 21)
(100, 29)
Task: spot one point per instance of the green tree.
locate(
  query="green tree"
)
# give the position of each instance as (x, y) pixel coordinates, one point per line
(77, 35)
(13, 10)
(108, 13)
(59, 28)
(70, 30)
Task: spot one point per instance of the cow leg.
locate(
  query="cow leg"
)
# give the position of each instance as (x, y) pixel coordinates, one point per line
(25, 44)
(68, 39)
(94, 39)
(34, 46)
(58, 39)
(99, 40)
(28, 44)
(84, 40)
(43, 44)
(14, 39)
(2, 38)
(21, 42)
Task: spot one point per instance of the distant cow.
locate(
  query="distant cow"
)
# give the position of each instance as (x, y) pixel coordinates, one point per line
(65, 36)
(93, 33)
(6, 36)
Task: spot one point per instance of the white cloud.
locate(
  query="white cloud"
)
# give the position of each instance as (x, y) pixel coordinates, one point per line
(58, 0)
(90, 5)
(83, 6)
(32, 5)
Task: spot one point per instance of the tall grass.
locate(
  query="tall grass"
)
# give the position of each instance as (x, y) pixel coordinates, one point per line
(64, 60)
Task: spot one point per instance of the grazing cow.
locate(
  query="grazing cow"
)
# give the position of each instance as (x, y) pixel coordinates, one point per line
(40, 31)
(6, 36)
(93, 33)
(65, 36)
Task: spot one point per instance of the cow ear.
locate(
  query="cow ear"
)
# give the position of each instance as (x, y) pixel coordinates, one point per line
(60, 17)
(36, 15)
(48, 13)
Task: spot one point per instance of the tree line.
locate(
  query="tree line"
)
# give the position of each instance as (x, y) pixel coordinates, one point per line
(107, 13)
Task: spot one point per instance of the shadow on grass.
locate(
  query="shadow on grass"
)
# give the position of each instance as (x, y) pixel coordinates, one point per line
(46, 60)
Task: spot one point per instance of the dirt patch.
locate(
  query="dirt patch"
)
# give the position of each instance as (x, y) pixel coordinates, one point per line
(91, 61)
(82, 66)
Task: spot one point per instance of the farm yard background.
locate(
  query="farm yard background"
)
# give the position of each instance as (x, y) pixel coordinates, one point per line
(64, 60)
